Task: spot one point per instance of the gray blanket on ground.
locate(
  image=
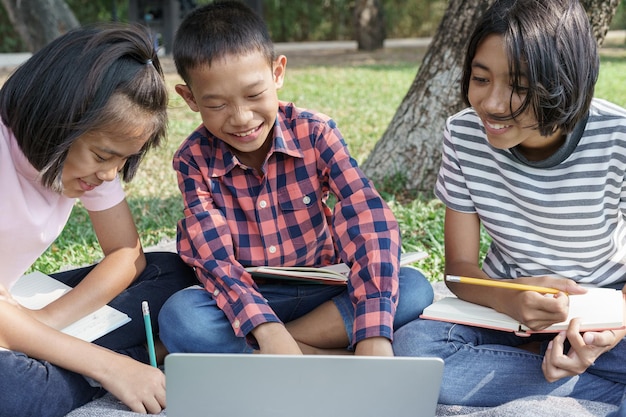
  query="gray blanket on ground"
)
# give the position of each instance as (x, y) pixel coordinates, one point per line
(537, 406)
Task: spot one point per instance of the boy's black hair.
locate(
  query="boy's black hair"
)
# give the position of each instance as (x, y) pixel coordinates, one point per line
(64, 90)
(218, 29)
(550, 43)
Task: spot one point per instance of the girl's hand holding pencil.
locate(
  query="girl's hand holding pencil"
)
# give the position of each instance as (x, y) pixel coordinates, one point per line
(558, 285)
(537, 302)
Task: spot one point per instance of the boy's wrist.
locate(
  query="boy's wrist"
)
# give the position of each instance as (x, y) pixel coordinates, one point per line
(274, 338)
(374, 346)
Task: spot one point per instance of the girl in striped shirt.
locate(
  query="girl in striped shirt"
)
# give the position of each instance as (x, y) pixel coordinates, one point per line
(540, 165)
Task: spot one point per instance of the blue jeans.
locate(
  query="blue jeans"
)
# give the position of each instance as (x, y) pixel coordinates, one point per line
(620, 412)
(487, 367)
(30, 387)
(192, 322)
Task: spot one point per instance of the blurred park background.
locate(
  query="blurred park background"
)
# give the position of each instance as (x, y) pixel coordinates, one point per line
(288, 20)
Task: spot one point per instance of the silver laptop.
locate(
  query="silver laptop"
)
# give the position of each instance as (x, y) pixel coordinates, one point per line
(244, 385)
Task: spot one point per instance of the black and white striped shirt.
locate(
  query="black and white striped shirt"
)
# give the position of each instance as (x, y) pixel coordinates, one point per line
(563, 216)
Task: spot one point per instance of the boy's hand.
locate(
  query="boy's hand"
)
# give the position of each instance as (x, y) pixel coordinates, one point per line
(374, 346)
(273, 338)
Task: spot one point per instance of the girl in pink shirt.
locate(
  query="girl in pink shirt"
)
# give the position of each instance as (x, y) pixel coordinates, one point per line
(78, 115)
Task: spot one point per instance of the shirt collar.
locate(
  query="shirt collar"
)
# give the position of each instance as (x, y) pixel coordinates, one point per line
(283, 141)
(564, 152)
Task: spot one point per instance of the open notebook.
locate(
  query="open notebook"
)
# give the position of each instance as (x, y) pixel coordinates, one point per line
(224, 385)
(36, 290)
(599, 309)
(332, 274)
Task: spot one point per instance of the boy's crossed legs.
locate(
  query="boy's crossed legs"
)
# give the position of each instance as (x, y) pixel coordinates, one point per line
(319, 317)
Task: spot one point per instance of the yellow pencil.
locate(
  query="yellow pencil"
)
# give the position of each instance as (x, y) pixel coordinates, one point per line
(502, 284)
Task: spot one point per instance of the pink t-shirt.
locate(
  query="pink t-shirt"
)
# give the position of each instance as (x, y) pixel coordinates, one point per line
(31, 216)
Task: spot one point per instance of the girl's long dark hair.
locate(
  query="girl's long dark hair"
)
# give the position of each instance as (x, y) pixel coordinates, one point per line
(63, 90)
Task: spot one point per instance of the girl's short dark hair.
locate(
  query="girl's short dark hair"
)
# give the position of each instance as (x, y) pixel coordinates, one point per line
(218, 29)
(62, 92)
(550, 43)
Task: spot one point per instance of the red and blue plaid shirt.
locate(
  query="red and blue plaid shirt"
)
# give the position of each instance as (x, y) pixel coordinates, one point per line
(235, 217)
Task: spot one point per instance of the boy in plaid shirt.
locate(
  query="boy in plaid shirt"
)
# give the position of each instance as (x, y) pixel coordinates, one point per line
(255, 177)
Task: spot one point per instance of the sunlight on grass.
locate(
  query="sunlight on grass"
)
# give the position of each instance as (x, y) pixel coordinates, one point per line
(612, 79)
(362, 100)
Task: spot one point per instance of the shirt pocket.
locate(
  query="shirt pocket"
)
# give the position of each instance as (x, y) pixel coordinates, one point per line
(303, 218)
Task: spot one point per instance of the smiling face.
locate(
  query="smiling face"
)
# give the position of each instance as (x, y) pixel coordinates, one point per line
(99, 155)
(236, 97)
(494, 97)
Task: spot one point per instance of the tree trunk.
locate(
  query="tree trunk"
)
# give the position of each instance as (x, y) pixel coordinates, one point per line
(411, 145)
(369, 24)
(600, 14)
(39, 21)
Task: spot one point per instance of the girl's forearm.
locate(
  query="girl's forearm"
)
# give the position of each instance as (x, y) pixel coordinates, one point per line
(107, 280)
(139, 386)
(21, 332)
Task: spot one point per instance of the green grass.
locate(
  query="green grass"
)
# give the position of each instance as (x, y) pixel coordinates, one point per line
(361, 99)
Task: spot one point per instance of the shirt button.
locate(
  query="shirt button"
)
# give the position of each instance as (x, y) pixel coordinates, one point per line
(272, 249)
(236, 324)
(262, 203)
(216, 293)
(306, 200)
